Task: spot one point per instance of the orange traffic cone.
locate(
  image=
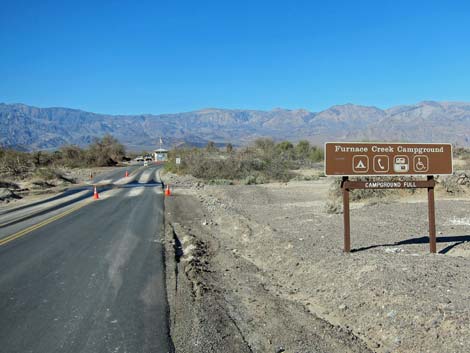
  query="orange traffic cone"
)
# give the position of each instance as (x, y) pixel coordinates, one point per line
(127, 173)
(167, 190)
(95, 194)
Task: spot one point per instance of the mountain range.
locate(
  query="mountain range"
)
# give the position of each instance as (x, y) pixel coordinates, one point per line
(30, 128)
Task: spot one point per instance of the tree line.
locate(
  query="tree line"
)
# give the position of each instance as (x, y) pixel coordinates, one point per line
(105, 151)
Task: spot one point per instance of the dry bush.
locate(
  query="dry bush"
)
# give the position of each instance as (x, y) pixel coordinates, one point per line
(14, 163)
(45, 166)
(456, 183)
(463, 154)
(335, 193)
(259, 163)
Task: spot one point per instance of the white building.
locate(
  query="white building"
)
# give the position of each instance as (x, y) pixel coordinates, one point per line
(160, 155)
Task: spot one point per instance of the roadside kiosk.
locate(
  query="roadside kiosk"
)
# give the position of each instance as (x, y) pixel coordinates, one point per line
(160, 155)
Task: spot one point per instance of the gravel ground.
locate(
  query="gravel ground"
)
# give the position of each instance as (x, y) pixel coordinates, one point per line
(271, 258)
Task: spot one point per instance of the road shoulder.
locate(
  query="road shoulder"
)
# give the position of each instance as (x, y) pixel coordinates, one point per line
(221, 301)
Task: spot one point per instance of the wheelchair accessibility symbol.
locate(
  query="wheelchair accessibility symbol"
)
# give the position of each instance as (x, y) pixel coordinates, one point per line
(420, 164)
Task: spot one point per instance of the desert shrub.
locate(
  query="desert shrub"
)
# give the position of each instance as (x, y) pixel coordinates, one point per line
(456, 183)
(264, 146)
(249, 180)
(302, 149)
(211, 147)
(254, 179)
(14, 163)
(42, 158)
(461, 152)
(306, 154)
(316, 154)
(72, 156)
(219, 182)
(258, 163)
(106, 151)
(41, 164)
(45, 173)
(335, 193)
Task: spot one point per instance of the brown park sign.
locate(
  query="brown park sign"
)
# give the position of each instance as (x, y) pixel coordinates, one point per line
(375, 159)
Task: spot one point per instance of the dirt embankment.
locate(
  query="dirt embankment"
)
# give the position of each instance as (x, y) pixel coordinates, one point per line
(29, 188)
(260, 269)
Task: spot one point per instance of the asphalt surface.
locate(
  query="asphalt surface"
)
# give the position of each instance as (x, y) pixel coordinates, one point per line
(90, 278)
(117, 173)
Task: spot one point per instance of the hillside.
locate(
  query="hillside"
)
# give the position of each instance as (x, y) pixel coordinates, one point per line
(28, 127)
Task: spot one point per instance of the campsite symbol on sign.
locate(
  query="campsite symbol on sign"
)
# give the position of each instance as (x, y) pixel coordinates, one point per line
(401, 164)
(360, 164)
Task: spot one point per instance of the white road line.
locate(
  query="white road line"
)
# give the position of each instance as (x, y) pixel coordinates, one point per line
(110, 193)
(126, 180)
(105, 182)
(135, 192)
(43, 206)
(145, 177)
(157, 176)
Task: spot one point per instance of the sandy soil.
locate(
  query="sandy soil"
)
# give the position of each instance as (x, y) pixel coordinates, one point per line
(270, 259)
(23, 191)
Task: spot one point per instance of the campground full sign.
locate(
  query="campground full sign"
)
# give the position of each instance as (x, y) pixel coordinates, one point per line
(384, 159)
(375, 159)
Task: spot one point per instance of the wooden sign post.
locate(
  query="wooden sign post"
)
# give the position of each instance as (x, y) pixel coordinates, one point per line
(371, 159)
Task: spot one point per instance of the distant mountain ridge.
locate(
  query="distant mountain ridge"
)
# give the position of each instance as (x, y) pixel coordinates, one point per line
(27, 127)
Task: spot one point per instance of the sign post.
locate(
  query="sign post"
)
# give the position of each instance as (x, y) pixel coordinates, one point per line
(392, 159)
(432, 217)
(346, 219)
(178, 162)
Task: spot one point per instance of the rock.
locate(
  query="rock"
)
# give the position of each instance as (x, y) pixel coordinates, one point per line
(280, 349)
(7, 195)
(393, 250)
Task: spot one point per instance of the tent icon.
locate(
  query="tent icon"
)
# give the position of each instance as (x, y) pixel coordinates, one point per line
(360, 164)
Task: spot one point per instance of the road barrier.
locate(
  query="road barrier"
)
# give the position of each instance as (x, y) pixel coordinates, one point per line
(167, 190)
(96, 196)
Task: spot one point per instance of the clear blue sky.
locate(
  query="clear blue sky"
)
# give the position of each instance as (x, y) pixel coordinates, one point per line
(170, 56)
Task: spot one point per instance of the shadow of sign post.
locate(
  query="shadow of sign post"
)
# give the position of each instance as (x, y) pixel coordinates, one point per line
(388, 159)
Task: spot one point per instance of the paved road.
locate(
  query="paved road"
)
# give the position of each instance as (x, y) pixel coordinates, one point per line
(118, 173)
(90, 281)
